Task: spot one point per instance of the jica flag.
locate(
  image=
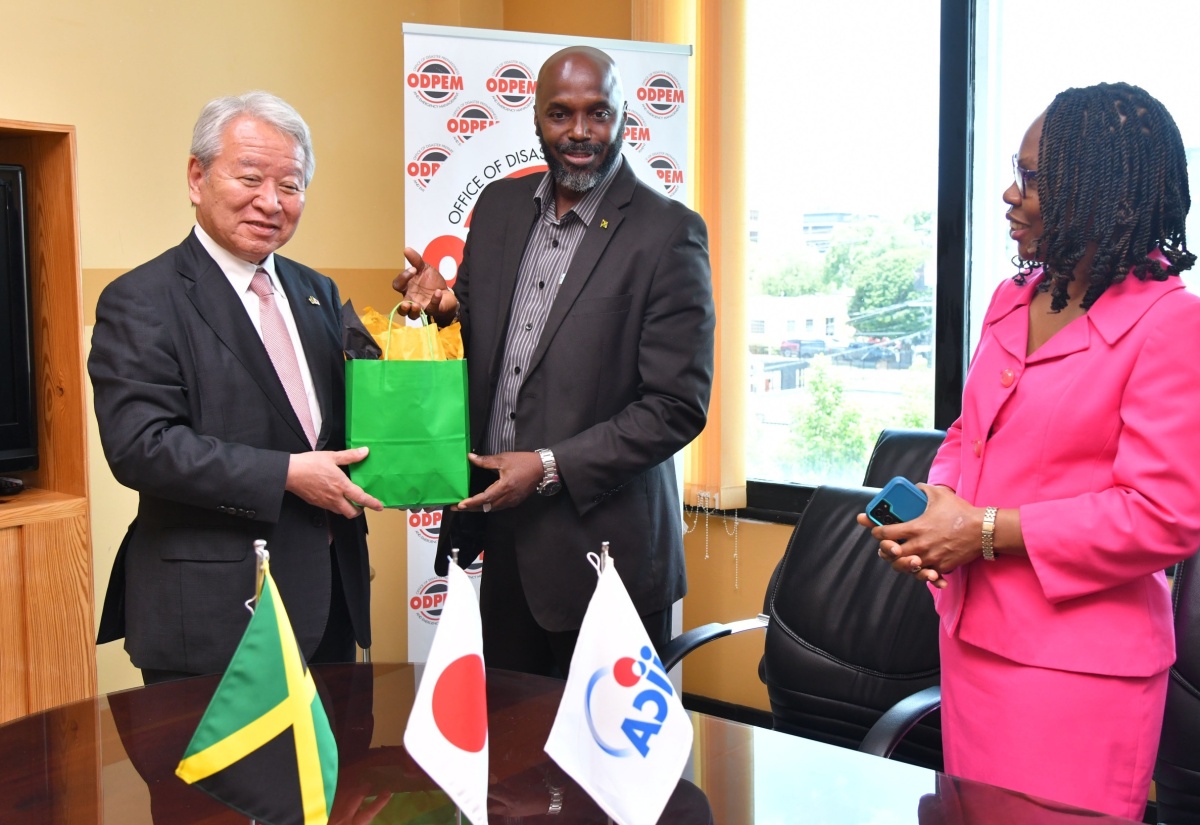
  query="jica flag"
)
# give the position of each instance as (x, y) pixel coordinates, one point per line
(264, 746)
(620, 732)
(447, 729)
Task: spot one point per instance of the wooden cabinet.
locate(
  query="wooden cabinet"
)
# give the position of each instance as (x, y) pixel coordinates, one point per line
(47, 640)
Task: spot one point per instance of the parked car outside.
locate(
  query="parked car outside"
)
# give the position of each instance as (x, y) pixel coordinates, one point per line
(868, 356)
(803, 347)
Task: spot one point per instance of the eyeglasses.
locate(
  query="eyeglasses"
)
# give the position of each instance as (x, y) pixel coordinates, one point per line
(1022, 176)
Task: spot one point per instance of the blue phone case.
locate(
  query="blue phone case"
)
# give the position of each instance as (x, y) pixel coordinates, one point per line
(899, 500)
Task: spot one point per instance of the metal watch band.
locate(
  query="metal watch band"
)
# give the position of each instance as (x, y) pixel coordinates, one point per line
(989, 534)
(550, 483)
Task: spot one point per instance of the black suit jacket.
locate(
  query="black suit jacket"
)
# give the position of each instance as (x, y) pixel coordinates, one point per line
(618, 383)
(193, 416)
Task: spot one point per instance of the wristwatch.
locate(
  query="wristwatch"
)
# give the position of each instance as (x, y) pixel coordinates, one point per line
(551, 483)
(989, 534)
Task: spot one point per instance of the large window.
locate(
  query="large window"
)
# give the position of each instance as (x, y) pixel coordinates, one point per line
(1146, 43)
(842, 185)
(879, 138)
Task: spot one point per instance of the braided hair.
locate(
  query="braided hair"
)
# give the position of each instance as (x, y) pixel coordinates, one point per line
(1111, 170)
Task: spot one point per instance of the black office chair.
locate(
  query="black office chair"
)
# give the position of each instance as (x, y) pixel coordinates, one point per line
(907, 453)
(847, 637)
(1177, 773)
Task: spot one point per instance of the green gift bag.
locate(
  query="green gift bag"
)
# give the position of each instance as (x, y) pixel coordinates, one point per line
(413, 416)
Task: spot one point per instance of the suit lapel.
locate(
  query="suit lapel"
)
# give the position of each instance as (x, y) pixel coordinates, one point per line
(596, 239)
(222, 309)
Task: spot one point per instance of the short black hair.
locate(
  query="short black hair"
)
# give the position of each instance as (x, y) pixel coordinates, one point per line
(1111, 170)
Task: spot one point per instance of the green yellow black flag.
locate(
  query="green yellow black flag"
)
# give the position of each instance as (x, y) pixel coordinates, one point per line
(264, 746)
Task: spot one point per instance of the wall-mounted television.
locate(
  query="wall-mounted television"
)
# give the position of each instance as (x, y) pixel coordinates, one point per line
(18, 421)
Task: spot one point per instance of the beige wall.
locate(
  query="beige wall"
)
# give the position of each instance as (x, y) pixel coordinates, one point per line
(131, 76)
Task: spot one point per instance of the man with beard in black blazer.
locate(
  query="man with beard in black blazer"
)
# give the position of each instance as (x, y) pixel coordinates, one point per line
(218, 376)
(586, 303)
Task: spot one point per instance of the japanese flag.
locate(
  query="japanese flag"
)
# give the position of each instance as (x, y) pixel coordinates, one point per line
(447, 731)
(621, 731)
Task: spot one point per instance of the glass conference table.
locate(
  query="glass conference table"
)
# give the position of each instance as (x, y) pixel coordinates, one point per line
(112, 760)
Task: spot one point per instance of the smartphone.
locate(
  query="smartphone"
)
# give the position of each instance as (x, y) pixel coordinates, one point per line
(899, 500)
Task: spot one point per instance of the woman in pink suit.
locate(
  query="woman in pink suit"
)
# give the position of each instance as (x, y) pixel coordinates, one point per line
(1072, 478)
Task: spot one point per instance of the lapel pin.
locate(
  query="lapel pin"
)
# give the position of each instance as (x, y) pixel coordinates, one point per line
(604, 223)
(312, 299)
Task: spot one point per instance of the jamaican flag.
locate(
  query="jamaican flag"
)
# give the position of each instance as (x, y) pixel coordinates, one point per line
(264, 746)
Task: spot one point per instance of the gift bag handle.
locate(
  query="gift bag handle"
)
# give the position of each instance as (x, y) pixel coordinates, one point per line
(424, 322)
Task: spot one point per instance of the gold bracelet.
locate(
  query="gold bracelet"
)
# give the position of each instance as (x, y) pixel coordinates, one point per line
(989, 534)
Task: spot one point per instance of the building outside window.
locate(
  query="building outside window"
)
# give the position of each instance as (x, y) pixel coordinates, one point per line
(842, 143)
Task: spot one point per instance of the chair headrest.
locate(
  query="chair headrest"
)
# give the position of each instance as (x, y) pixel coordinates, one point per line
(907, 453)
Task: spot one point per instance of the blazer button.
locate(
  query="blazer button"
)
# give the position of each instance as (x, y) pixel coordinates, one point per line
(249, 514)
(977, 446)
(1007, 377)
(221, 508)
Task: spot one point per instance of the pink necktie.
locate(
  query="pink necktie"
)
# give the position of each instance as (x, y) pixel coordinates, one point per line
(283, 353)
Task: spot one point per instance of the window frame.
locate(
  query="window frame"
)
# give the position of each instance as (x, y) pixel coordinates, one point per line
(782, 503)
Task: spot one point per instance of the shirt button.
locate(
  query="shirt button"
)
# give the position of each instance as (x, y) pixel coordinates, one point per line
(541, 284)
(512, 416)
(554, 242)
(977, 446)
(1007, 377)
(528, 327)
(516, 370)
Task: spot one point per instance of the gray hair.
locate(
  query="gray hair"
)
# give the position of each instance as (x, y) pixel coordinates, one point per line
(209, 132)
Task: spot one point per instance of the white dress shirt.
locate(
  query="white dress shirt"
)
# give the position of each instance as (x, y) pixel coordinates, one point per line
(240, 273)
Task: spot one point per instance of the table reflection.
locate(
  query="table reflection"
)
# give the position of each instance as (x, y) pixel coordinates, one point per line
(113, 759)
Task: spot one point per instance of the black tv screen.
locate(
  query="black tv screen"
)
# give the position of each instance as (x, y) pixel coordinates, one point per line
(18, 424)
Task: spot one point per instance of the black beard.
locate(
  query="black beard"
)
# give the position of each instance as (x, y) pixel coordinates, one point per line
(580, 181)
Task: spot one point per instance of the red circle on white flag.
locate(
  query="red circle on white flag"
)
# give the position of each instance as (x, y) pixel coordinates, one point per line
(459, 704)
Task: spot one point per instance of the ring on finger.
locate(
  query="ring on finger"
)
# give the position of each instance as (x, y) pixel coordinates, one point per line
(487, 507)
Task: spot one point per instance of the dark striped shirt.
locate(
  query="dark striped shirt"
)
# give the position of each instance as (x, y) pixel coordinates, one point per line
(548, 254)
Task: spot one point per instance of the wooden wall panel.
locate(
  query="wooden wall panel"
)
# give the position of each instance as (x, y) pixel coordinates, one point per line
(14, 675)
(58, 610)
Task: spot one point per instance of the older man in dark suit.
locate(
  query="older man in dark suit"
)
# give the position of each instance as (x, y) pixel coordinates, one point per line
(586, 303)
(218, 378)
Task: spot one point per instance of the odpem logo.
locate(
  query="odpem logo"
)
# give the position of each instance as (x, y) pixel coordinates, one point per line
(436, 81)
(425, 164)
(512, 85)
(666, 170)
(637, 133)
(469, 121)
(626, 704)
(661, 94)
(475, 569)
(429, 600)
(427, 525)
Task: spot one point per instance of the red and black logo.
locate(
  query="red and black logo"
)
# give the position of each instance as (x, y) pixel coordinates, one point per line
(661, 94)
(436, 81)
(666, 170)
(475, 569)
(637, 133)
(427, 525)
(429, 600)
(470, 120)
(512, 85)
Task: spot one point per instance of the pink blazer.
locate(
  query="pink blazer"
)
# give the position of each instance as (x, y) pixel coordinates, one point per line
(1095, 437)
